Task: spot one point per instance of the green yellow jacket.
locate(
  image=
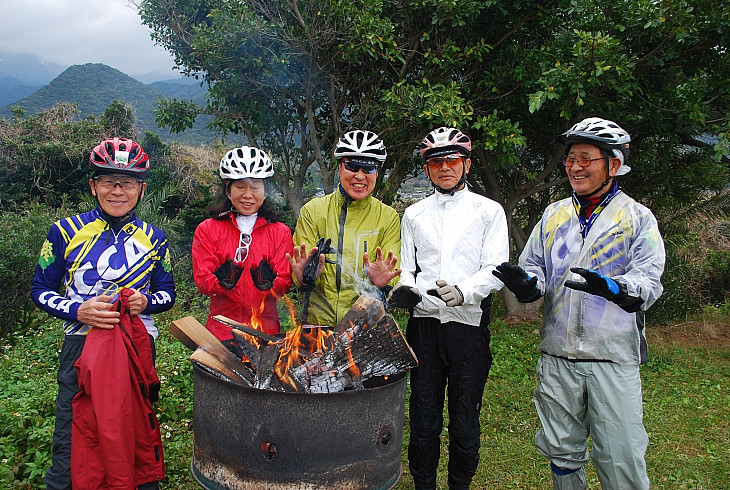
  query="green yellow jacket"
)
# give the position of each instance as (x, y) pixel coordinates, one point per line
(354, 227)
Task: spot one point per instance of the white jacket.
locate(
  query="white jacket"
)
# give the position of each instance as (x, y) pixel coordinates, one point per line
(459, 239)
(624, 244)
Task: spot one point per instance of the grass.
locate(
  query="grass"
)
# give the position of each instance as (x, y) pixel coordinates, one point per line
(686, 405)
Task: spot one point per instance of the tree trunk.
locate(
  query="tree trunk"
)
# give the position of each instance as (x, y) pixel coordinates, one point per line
(520, 311)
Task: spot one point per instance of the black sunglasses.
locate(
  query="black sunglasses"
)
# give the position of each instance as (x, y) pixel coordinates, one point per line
(368, 168)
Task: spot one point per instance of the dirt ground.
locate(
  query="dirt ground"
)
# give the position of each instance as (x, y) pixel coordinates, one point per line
(699, 333)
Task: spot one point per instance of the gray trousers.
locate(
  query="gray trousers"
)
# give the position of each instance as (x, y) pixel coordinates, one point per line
(575, 400)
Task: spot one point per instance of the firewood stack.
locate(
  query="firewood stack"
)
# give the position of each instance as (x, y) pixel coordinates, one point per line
(366, 343)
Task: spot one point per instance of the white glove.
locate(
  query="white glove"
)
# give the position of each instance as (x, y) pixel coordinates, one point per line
(451, 295)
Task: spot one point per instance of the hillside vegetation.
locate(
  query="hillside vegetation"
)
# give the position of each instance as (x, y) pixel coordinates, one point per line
(93, 86)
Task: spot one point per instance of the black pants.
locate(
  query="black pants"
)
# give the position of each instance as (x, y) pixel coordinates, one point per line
(58, 476)
(456, 357)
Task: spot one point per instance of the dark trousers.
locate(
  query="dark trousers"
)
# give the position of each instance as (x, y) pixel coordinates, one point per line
(58, 476)
(456, 357)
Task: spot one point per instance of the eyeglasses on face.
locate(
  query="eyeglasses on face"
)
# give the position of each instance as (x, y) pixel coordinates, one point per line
(367, 168)
(582, 160)
(450, 161)
(126, 183)
(243, 245)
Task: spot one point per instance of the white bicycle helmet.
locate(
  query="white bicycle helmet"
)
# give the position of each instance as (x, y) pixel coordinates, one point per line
(442, 141)
(246, 162)
(602, 133)
(360, 143)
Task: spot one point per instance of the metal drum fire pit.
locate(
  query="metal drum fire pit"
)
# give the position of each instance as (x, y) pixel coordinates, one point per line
(261, 439)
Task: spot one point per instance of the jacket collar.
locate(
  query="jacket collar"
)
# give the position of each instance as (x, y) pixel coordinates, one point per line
(445, 198)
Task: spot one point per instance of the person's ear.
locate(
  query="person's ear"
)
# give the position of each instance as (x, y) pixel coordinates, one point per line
(467, 165)
(144, 188)
(92, 187)
(614, 166)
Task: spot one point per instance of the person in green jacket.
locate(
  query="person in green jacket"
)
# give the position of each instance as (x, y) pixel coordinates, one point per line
(357, 224)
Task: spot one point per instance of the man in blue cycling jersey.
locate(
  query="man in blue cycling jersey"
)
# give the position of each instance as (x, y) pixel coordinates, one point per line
(108, 243)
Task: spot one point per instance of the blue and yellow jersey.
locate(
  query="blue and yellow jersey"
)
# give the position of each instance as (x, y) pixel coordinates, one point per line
(83, 249)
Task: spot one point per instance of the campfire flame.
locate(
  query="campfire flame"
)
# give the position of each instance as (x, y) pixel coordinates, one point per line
(319, 359)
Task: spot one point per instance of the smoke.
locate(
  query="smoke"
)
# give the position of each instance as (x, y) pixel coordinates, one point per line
(273, 194)
(361, 283)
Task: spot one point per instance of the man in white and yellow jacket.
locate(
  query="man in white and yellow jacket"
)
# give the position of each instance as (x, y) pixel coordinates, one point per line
(597, 258)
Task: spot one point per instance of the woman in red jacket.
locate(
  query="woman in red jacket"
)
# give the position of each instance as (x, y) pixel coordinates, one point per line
(239, 255)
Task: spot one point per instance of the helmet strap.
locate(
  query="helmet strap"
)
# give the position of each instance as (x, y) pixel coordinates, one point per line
(452, 191)
(608, 172)
(605, 183)
(607, 156)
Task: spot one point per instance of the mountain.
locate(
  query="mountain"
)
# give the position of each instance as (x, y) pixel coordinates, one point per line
(27, 69)
(12, 89)
(94, 86)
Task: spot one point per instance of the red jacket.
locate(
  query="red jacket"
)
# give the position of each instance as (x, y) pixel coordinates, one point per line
(115, 437)
(214, 238)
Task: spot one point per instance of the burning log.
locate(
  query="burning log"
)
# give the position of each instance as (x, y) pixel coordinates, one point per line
(367, 310)
(209, 351)
(250, 349)
(246, 329)
(269, 357)
(365, 344)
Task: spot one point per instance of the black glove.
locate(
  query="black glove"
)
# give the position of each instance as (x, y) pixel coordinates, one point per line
(263, 275)
(451, 295)
(606, 287)
(228, 273)
(404, 297)
(311, 268)
(595, 283)
(518, 281)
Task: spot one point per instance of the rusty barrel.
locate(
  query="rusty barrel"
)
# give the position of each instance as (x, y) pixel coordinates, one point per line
(261, 439)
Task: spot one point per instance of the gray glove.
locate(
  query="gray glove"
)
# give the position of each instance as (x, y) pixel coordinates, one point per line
(451, 295)
(404, 297)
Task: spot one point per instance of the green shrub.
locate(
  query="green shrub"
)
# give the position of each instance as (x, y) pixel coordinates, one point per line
(23, 230)
(27, 408)
(697, 272)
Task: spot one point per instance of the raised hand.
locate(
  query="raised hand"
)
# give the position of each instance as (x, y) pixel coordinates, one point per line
(382, 271)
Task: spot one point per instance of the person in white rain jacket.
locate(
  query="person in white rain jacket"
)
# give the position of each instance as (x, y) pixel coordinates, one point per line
(450, 244)
(597, 257)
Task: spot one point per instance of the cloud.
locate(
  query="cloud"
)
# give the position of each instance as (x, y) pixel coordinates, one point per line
(72, 32)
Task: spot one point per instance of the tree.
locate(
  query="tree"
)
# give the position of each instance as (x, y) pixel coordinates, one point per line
(118, 119)
(293, 74)
(290, 76)
(45, 156)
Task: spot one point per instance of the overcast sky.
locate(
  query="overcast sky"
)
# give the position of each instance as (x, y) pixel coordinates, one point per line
(74, 32)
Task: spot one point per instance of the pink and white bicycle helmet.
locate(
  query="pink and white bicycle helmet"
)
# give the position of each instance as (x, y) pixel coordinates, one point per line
(120, 156)
(442, 141)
